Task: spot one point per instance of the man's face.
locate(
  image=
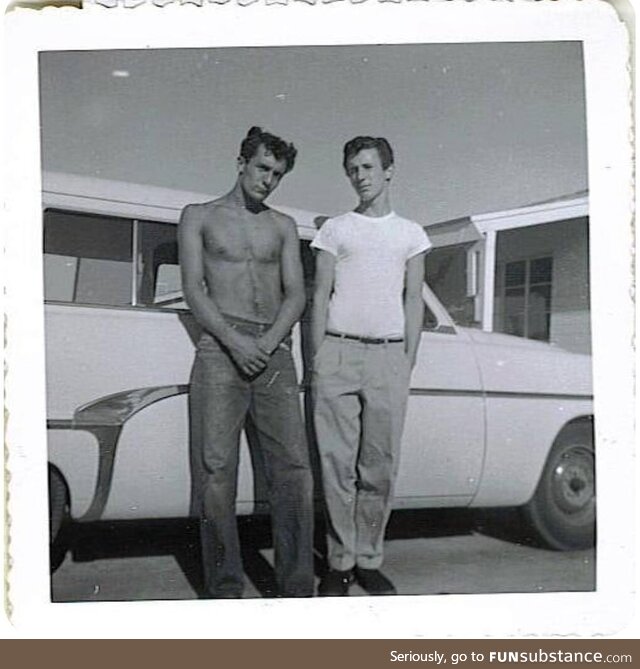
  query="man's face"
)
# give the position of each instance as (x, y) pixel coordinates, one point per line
(261, 174)
(366, 174)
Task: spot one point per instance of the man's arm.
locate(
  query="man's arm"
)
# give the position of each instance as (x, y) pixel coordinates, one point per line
(294, 297)
(243, 349)
(324, 279)
(413, 305)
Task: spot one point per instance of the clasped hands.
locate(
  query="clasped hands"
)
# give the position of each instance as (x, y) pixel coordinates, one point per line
(250, 354)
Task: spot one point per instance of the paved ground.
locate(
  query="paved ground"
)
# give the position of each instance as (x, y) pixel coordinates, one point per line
(427, 552)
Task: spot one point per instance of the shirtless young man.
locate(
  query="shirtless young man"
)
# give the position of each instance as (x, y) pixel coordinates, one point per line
(242, 278)
(367, 317)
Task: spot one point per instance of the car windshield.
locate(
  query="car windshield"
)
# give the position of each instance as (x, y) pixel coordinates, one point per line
(446, 275)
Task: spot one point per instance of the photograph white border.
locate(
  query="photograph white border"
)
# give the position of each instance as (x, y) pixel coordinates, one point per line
(603, 612)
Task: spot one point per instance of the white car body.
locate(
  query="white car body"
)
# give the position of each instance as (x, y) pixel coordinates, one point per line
(485, 409)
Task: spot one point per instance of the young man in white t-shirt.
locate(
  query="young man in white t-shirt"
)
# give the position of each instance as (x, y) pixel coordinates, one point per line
(367, 318)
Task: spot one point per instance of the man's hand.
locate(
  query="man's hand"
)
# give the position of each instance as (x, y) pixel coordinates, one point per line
(266, 344)
(247, 354)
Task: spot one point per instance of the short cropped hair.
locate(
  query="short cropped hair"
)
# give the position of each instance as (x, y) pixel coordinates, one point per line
(357, 144)
(278, 147)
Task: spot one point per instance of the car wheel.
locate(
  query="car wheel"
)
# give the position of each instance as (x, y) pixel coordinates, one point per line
(562, 511)
(58, 514)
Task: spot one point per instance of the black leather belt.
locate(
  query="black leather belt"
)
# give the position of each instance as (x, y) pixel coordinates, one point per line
(367, 340)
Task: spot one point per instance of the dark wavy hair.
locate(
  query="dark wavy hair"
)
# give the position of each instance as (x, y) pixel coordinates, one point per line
(277, 146)
(357, 144)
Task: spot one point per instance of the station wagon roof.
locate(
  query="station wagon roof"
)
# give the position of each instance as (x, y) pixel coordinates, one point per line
(132, 200)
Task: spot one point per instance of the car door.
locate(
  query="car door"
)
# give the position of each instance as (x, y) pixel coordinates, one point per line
(444, 436)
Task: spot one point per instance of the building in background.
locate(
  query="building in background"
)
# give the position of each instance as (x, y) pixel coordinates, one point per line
(522, 271)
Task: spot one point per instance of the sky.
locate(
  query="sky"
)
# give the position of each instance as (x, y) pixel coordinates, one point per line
(475, 127)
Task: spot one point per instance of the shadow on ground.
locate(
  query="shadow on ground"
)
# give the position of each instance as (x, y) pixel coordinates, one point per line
(180, 538)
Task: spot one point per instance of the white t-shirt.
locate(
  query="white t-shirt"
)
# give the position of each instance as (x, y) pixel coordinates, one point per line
(371, 256)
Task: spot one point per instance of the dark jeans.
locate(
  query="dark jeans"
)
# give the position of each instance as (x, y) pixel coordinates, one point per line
(220, 399)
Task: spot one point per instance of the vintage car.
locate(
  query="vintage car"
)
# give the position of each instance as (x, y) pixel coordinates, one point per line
(493, 420)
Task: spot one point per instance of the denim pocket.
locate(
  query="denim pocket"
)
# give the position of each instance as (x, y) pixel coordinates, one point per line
(213, 365)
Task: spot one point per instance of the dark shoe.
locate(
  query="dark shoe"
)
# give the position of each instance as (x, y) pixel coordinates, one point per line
(227, 594)
(374, 582)
(335, 583)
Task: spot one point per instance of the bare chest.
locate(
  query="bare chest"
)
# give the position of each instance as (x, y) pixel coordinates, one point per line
(240, 239)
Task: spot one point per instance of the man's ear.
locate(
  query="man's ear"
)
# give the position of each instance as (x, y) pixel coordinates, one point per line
(241, 162)
(389, 172)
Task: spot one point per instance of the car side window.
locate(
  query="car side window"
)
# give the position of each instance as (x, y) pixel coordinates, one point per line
(87, 258)
(98, 260)
(159, 279)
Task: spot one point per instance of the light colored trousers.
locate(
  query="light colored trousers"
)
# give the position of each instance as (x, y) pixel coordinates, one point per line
(360, 397)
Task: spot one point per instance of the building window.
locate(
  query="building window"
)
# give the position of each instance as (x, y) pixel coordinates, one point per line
(527, 298)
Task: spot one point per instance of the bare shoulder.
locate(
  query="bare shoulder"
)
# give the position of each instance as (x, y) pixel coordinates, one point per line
(197, 214)
(286, 224)
(190, 215)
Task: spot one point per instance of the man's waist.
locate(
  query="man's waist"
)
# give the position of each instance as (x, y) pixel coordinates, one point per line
(240, 323)
(381, 325)
(251, 328)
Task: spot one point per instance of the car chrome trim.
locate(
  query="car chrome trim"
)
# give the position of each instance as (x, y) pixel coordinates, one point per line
(135, 262)
(140, 308)
(498, 393)
(59, 424)
(117, 408)
(104, 418)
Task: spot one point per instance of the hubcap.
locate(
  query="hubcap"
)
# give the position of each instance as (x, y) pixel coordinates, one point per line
(573, 482)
